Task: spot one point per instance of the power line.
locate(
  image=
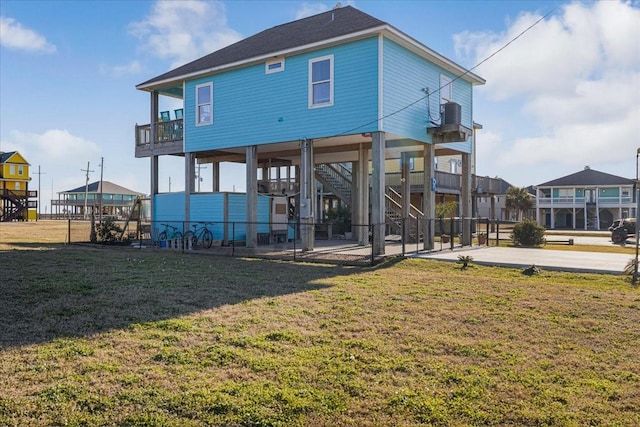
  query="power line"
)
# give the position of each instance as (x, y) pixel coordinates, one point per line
(448, 83)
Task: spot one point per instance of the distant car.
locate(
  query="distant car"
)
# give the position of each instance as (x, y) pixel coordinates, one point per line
(615, 224)
(625, 227)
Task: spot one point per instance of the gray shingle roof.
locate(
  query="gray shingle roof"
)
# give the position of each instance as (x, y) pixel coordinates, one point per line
(588, 177)
(316, 28)
(107, 188)
(5, 156)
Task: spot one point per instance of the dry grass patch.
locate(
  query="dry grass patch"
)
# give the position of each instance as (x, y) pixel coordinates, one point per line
(101, 336)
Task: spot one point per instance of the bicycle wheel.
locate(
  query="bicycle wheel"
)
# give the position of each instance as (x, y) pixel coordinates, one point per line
(162, 236)
(177, 235)
(190, 235)
(207, 239)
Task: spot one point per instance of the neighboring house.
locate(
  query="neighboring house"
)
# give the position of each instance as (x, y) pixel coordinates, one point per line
(116, 201)
(585, 200)
(494, 205)
(337, 87)
(16, 202)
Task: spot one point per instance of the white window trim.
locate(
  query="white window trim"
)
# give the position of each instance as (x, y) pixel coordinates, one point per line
(446, 88)
(197, 115)
(311, 62)
(20, 170)
(271, 62)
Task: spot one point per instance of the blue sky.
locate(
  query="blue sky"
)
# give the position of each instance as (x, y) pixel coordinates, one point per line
(562, 96)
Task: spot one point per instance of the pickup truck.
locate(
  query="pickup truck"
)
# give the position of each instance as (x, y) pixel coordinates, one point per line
(621, 229)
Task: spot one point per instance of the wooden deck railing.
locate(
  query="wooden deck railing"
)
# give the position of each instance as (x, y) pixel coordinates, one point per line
(169, 131)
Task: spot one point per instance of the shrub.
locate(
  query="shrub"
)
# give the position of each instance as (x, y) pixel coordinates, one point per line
(528, 233)
(108, 231)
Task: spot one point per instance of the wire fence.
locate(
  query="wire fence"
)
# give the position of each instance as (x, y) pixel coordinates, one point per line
(349, 244)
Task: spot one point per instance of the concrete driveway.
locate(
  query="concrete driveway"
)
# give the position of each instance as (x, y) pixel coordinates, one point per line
(588, 262)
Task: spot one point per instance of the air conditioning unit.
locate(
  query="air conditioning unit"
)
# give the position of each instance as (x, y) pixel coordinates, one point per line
(451, 113)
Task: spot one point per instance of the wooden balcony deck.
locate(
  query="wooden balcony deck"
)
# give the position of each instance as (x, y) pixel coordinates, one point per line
(168, 140)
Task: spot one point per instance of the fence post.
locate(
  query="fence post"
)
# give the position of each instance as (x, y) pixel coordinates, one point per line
(69, 231)
(372, 229)
(404, 234)
(295, 237)
(488, 225)
(497, 232)
(452, 233)
(233, 239)
(418, 234)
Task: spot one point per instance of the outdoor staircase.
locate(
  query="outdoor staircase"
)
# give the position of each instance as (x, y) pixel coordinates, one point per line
(393, 212)
(591, 216)
(337, 178)
(13, 206)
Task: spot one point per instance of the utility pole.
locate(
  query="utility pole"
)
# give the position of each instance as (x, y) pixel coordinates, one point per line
(199, 177)
(39, 173)
(86, 190)
(101, 173)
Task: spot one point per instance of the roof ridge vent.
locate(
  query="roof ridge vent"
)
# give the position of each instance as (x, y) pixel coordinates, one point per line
(587, 167)
(337, 6)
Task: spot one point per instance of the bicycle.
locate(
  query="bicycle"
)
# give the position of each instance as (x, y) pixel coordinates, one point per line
(166, 234)
(200, 236)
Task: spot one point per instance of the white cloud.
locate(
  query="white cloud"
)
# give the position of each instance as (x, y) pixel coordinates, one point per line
(182, 31)
(309, 9)
(56, 147)
(133, 67)
(313, 8)
(575, 81)
(61, 157)
(14, 36)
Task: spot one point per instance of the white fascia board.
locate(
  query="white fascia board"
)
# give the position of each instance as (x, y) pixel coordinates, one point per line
(270, 55)
(387, 30)
(430, 54)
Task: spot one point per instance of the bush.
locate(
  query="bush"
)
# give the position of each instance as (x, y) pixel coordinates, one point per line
(108, 231)
(528, 233)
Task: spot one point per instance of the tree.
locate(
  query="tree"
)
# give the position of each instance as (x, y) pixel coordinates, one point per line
(445, 210)
(518, 199)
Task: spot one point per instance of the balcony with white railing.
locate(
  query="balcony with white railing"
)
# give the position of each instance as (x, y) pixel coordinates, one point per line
(579, 202)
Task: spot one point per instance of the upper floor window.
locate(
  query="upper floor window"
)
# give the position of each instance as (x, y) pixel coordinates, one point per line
(321, 81)
(20, 170)
(204, 104)
(12, 169)
(274, 66)
(446, 89)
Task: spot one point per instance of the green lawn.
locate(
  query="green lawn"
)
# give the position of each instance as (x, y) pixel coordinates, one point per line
(109, 336)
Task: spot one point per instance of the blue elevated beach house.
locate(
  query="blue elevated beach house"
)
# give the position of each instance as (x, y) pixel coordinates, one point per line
(333, 98)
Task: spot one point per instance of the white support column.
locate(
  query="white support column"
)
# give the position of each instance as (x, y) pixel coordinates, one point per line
(406, 194)
(363, 195)
(307, 193)
(153, 157)
(251, 160)
(215, 176)
(378, 145)
(466, 199)
(429, 196)
(189, 185)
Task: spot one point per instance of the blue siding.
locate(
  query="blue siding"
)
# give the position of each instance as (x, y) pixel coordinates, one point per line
(264, 214)
(168, 209)
(209, 208)
(252, 107)
(405, 75)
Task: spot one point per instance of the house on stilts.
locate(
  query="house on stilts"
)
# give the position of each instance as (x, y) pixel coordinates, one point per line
(335, 98)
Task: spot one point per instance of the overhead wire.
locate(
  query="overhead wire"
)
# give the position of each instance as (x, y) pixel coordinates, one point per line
(447, 84)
